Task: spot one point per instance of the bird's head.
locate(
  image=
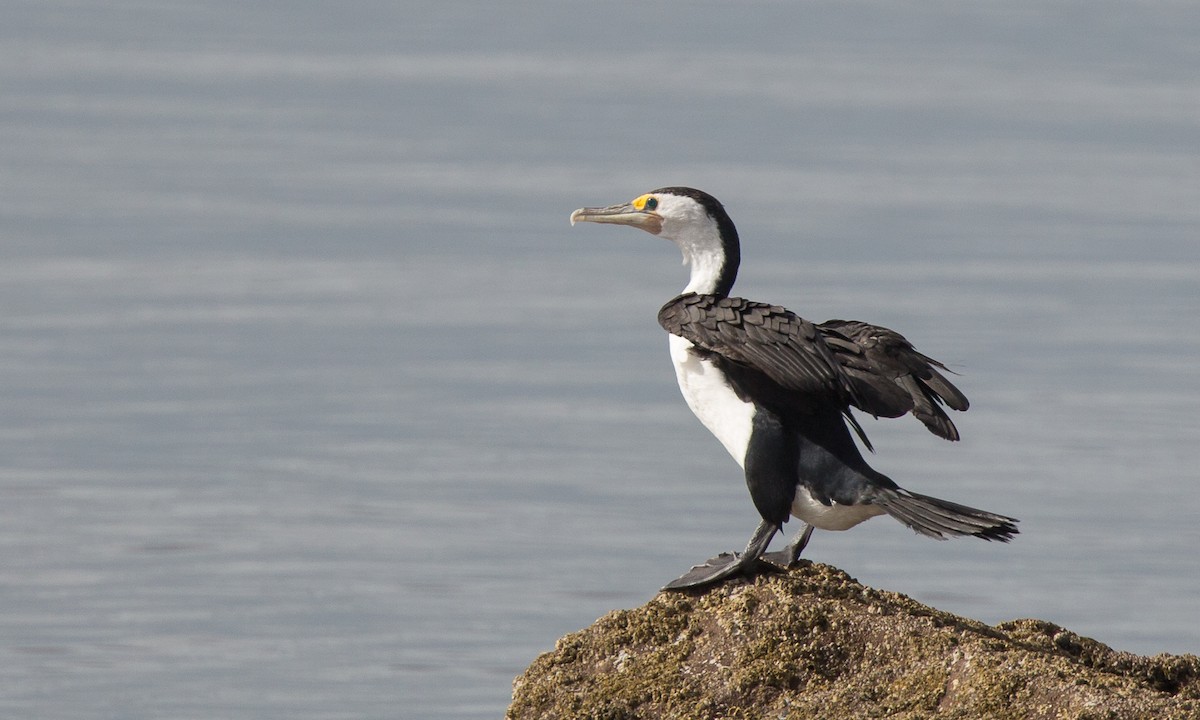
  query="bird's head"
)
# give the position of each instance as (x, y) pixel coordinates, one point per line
(693, 220)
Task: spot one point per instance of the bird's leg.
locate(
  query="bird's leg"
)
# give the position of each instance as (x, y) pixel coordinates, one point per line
(787, 557)
(728, 564)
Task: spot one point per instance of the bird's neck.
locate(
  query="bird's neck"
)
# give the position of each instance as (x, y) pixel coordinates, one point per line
(713, 261)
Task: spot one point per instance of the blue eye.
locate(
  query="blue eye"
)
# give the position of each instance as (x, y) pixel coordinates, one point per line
(651, 203)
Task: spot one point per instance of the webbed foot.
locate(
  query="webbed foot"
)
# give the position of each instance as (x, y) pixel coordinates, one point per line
(726, 565)
(787, 558)
(721, 567)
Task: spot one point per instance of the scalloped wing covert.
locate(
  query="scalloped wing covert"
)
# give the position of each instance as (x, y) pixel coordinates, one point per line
(847, 362)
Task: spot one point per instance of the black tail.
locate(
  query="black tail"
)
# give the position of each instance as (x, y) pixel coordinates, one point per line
(942, 519)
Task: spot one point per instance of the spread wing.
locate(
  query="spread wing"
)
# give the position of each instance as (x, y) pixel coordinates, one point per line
(893, 376)
(851, 363)
(786, 348)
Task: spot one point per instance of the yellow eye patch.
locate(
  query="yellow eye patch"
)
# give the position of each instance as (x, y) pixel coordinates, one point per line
(645, 202)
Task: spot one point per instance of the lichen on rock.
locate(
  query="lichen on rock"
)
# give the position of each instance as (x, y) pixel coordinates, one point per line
(815, 643)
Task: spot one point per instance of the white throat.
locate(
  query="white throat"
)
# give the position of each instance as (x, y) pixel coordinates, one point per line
(704, 254)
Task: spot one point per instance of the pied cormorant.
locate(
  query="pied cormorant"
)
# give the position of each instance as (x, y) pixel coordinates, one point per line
(776, 390)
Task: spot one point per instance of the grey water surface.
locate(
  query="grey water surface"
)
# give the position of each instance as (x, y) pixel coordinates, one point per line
(313, 405)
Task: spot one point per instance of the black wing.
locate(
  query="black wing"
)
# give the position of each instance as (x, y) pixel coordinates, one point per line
(851, 363)
(893, 376)
(786, 348)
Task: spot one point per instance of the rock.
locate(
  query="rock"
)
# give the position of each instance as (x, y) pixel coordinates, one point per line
(815, 643)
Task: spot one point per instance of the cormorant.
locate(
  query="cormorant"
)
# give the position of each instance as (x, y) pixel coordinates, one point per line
(777, 390)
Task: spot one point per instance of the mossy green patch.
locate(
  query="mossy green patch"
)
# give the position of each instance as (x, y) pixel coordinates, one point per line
(815, 643)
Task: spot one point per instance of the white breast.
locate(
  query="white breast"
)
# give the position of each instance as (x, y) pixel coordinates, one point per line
(710, 397)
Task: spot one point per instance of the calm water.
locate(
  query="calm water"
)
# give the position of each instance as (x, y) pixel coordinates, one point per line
(316, 407)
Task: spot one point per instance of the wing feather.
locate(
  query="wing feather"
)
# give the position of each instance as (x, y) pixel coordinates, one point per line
(850, 363)
(904, 379)
(784, 347)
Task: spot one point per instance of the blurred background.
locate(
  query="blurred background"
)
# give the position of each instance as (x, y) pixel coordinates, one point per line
(315, 406)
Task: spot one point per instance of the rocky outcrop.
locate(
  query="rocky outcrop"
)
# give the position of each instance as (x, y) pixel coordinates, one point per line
(815, 643)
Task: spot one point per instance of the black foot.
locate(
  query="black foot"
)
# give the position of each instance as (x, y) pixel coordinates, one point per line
(789, 557)
(781, 560)
(722, 567)
(727, 565)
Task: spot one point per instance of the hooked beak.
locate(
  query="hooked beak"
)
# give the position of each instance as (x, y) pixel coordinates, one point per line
(625, 214)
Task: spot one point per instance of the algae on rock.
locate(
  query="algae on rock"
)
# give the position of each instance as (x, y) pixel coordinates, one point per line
(815, 643)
